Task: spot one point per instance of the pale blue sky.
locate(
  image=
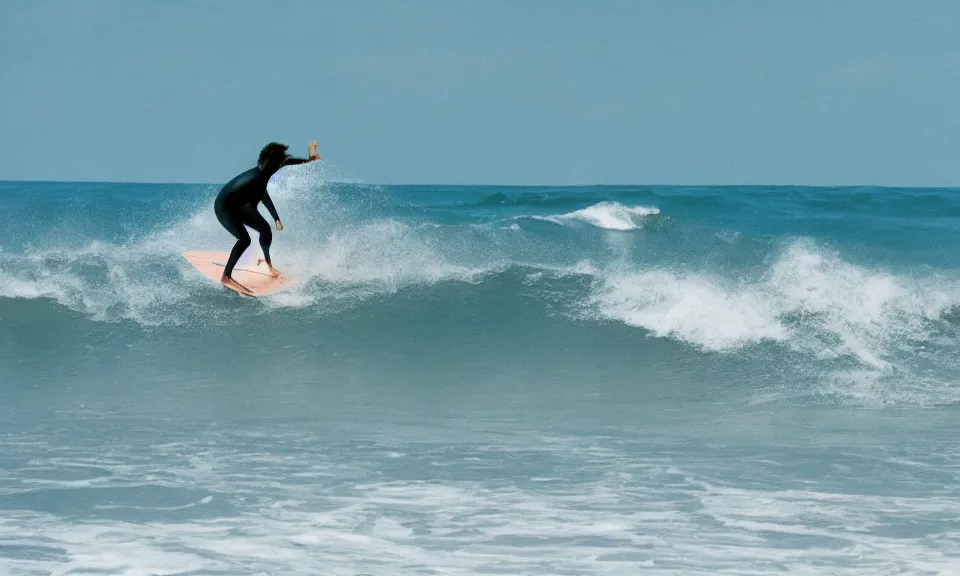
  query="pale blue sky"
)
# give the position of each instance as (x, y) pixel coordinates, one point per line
(498, 92)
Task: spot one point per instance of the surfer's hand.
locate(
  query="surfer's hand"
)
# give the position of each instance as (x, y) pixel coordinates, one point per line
(312, 151)
(279, 225)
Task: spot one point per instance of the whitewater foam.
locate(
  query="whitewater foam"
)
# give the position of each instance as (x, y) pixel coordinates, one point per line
(866, 313)
(809, 299)
(374, 258)
(618, 505)
(690, 307)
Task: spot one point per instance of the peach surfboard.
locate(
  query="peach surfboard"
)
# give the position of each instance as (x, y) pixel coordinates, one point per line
(255, 277)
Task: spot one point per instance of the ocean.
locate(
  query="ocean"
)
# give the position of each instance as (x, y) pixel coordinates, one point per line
(610, 380)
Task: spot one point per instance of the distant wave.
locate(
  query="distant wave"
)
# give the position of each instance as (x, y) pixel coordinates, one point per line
(606, 215)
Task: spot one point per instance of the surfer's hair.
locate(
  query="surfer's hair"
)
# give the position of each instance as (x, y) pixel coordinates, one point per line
(273, 151)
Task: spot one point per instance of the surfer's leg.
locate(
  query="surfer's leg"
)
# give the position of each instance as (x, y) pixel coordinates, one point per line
(238, 249)
(233, 222)
(253, 219)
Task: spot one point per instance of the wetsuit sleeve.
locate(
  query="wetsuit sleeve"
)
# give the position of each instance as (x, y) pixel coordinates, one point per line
(292, 161)
(270, 207)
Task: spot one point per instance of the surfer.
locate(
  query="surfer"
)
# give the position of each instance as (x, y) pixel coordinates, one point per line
(236, 206)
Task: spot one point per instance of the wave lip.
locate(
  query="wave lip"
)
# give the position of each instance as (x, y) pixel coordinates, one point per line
(607, 215)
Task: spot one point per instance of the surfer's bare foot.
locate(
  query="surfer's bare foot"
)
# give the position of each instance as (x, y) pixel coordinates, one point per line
(273, 271)
(231, 283)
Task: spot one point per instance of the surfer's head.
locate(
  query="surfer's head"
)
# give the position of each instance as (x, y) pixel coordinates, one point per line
(272, 157)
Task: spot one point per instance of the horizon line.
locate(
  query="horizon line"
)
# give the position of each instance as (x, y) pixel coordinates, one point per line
(492, 185)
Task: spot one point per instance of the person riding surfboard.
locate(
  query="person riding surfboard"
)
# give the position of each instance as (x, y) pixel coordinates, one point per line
(236, 206)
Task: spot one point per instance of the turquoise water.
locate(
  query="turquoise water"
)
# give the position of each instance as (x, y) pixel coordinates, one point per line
(483, 380)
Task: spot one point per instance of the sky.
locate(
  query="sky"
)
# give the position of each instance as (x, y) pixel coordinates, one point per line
(839, 92)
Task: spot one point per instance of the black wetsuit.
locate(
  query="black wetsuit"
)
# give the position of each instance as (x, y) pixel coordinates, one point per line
(236, 207)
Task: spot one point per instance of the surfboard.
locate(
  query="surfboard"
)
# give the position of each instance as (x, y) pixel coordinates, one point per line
(254, 276)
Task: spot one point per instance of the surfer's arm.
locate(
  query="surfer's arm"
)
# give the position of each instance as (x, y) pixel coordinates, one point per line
(311, 152)
(270, 207)
(292, 161)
